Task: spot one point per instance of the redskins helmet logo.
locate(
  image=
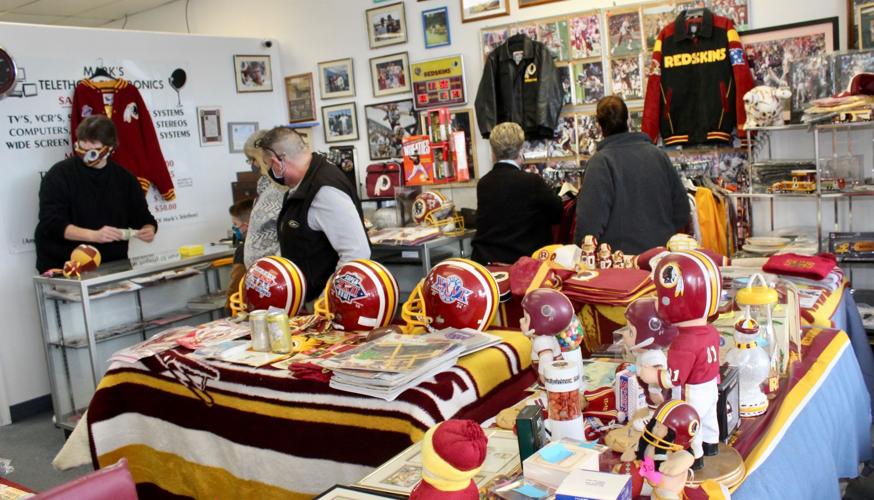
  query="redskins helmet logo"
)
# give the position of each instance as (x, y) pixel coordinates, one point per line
(671, 277)
(451, 290)
(547, 311)
(693, 427)
(347, 288)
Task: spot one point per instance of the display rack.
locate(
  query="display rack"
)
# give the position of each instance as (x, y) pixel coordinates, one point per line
(85, 321)
(818, 195)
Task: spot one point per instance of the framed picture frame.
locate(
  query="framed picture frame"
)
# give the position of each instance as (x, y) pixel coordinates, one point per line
(386, 25)
(736, 10)
(337, 492)
(209, 125)
(865, 26)
(624, 32)
(238, 134)
(337, 78)
(435, 27)
(387, 125)
(531, 3)
(390, 74)
(301, 98)
(400, 474)
(438, 82)
(790, 43)
(345, 158)
(253, 73)
(340, 122)
(478, 10)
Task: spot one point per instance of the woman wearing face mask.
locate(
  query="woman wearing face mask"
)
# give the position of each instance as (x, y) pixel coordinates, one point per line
(90, 199)
(261, 240)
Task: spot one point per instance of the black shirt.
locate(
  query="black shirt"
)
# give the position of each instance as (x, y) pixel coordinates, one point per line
(73, 193)
(515, 214)
(632, 197)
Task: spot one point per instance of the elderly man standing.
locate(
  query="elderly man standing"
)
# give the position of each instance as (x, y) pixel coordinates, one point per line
(320, 225)
(515, 209)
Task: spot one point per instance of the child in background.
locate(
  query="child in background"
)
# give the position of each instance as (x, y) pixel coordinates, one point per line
(240, 212)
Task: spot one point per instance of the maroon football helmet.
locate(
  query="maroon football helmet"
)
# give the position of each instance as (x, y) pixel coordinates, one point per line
(274, 282)
(688, 285)
(550, 311)
(362, 295)
(650, 331)
(681, 418)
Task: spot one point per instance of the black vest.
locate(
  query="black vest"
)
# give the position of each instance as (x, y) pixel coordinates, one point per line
(310, 249)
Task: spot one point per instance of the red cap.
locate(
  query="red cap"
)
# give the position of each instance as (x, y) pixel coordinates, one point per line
(461, 443)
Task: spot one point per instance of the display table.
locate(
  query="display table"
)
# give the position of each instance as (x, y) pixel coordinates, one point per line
(420, 252)
(217, 429)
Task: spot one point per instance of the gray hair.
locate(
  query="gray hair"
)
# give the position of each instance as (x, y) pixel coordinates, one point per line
(506, 140)
(284, 140)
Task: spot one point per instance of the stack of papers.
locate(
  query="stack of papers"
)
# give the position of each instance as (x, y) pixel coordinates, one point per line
(389, 365)
(403, 235)
(615, 287)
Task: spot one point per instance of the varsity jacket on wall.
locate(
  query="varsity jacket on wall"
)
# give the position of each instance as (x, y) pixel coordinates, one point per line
(520, 84)
(698, 77)
(138, 149)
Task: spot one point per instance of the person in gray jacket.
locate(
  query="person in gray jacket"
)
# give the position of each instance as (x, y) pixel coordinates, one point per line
(632, 197)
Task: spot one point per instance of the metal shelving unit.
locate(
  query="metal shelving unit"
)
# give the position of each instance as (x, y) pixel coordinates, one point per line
(81, 327)
(819, 195)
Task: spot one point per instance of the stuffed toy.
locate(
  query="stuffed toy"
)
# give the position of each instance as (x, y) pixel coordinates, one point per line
(764, 106)
(453, 453)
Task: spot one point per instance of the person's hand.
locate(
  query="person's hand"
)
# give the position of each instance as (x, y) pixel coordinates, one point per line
(146, 233)
(106, 234)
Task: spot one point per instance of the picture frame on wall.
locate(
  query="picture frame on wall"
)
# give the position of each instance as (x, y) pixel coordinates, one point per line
(301, 98)
(239, 133)
(345, 158)
(253, 73)
(438, 82)
(531, 3)
(337, 78)
(435, 27)
(387, 125)
(209, 125)
(386, 25)
(865, 26)
(340, 122)
(477, 10)
(390, 74)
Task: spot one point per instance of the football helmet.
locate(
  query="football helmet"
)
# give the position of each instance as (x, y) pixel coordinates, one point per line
(361, 295)
(429, 202)
(682, 421)
(456, 293)
(688, 285)
(650, 331)
(274, 282)
(550, 311)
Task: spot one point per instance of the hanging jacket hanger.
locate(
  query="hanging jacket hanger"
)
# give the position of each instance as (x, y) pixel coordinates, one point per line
(101, 71)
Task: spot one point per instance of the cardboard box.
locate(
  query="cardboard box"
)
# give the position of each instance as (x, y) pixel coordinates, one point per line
(418, 161)
(591, 485)
(538, 469)
(458, 145)
(629, 395)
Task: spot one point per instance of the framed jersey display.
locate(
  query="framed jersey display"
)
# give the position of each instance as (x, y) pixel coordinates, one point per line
(438, 82)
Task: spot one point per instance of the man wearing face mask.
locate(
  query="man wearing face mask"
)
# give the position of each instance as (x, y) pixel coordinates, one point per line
(320, 225)
(90, 199)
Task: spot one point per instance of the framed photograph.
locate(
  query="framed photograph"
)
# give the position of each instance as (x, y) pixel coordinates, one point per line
(253, 73)
(624, 33)
(635, 119)
(588, 135)
(435, 26)
(344, 157)
(531, 3)
(386, 25)
(736, 10)
(626, 78)
(337, 78)
(865, 16)
(401, 473)
(770, 51)
(238, 133)
(209, 124)
(554, 34)
(565, 142)
(340, 122)
(585, 36)
(567, 84)
(390, 74)
(387, 125)
(655, 19)
(477, 10)
(351, 493)
(491, 39)
(588, 82)
(438, 82)
(301, 98)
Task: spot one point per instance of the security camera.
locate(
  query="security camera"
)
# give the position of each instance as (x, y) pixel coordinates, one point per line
(267, 44)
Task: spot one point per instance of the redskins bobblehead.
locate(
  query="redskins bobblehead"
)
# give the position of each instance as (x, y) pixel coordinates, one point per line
(362, 295)
(456, 293)
(688, 286)
(274, 282)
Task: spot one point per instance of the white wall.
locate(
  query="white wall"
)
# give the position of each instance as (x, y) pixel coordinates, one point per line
(203, 175)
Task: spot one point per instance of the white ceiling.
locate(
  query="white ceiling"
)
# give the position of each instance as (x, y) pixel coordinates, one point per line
(87, 13)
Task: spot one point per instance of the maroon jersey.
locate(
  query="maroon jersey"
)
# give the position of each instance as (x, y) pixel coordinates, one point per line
(693, 357)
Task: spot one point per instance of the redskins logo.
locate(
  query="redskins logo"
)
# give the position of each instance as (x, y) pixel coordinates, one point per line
(347, 288)
(586, 275)
(670, 276)
(530, 70)
(693, 427)
(451, 290)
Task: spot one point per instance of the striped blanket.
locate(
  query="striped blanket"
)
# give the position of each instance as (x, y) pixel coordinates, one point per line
(220, 430)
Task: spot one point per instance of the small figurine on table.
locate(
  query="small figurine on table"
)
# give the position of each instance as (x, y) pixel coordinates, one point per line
(590, 248)
(688, 287)
(618, 259)
(646, 337)
(549, 319)
(453, 453)
(605, 256)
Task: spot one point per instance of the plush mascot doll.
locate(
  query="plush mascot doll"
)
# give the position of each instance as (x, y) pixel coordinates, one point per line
(453, 453)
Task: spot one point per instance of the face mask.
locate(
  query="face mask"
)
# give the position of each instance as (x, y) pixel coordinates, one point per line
(281, 179)
(238, 233)
(92, 157)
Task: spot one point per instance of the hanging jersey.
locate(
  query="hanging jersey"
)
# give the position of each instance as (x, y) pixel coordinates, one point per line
(138, 149)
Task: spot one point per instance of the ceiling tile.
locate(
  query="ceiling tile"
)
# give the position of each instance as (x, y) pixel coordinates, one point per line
(29, 18)
(61, 7)
(12, 4)
(118, 9)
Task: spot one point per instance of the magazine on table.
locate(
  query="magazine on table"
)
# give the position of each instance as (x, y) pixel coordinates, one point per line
(397, 353)
(471, 340)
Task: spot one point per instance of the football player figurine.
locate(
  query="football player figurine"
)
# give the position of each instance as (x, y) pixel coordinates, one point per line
(548, 314)
(590, 246)
(646, 338)
(688, 286)
(618, 259)
(605, 256)
(753, 365)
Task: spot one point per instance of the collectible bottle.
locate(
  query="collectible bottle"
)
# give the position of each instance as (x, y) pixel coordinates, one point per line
(753, 365)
